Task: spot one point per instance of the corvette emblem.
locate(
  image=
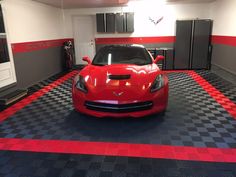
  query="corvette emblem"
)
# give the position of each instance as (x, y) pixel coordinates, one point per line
(118, 94)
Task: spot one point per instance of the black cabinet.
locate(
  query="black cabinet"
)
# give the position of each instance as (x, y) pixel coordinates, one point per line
(152, 52)
(168, 53)
(110, 22)
(125, 22)
(193, 44)
(130, 22)
(169, 59)
(119, 22)
(120, 26)
(100, 20)
(183, 44)
(201, 44)
(160, 51)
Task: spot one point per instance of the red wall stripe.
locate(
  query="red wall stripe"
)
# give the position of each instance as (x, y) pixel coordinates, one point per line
(226, 40)
(136, 40)
(37, 45)
(121, 149)
(21, 104)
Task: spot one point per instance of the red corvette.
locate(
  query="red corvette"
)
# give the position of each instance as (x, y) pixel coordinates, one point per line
(121, 81)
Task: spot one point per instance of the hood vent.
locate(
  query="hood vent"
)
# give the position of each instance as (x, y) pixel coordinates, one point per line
(119, 77)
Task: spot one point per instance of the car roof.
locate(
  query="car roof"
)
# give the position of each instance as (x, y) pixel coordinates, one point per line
(124, 46)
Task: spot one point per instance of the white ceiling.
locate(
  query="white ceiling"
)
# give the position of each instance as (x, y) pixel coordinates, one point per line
(191, 1)
(70, 4)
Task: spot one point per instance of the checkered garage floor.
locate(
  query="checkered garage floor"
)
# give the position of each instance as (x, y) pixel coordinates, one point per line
(193, 119)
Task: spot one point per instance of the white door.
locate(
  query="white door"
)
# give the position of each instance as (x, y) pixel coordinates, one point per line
(7, 69)
(84, 37)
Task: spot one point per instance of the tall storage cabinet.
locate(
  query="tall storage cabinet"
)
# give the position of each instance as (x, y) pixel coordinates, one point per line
(183, 44)
(201, 44)
(192, 46)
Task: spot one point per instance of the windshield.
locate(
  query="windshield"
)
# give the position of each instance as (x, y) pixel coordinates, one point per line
(122, 55)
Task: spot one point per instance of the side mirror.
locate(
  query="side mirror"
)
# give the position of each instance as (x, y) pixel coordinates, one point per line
(87, 59)
(159, 58)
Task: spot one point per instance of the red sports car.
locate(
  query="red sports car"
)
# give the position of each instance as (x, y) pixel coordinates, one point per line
(121, 81)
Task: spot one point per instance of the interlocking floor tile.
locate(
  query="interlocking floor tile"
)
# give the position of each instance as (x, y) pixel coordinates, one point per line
(28, 164)
(225, 87)
(193, 118)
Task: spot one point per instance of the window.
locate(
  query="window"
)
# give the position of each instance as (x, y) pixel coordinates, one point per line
(4, 55)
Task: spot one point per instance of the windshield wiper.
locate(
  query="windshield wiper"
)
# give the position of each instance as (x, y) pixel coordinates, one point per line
(140, 64)
(98, 64)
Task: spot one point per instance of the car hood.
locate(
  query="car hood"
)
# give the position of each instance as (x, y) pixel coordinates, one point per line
(99, 76)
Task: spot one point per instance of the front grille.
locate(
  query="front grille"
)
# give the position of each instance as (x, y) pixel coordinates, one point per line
(118, 108)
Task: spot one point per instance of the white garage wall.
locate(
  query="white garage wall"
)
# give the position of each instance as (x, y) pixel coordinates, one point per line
(143, 26)
(31, 21)
(223, 12)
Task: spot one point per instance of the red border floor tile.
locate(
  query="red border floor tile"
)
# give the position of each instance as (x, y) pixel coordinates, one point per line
(120, 149)
(21, 104)
(220, 98)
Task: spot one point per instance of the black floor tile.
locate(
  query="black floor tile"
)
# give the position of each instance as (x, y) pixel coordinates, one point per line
(29, 164)
(193, 118)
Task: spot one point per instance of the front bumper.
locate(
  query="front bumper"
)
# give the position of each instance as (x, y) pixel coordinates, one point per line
(154, 103)
(118, 108)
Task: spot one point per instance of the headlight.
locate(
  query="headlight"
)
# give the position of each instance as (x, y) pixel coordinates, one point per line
(158, 83)
(80, 84)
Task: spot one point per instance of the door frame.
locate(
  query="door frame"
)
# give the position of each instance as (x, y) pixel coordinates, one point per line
(74, 19)
(10, 64)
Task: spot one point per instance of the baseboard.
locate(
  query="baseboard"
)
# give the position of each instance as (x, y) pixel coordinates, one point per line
(224, 73)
